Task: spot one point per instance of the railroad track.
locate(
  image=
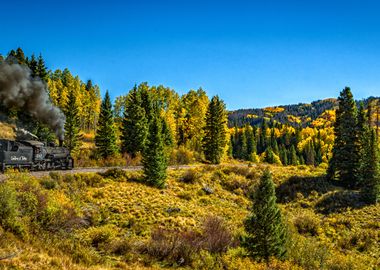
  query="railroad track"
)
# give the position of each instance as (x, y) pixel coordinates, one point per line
(124, 168)
(98, 170)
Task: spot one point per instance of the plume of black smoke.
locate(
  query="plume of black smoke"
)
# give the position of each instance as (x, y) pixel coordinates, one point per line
(19, 89)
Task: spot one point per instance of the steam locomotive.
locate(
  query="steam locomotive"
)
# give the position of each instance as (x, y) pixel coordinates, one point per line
(33, 155)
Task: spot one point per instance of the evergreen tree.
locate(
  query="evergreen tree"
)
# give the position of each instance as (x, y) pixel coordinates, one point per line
(105, 138)
(371, 170)
(263, 139)
(166, 133)
(236, 143)
(309, 153)
(293, 159)
(154, 158)
(364, 137)
(134, 128)
(269, 155)
(344, 164)
(283, 155)
(41, 69)
(214, 140)
(267, 235)
(146, 101)
(33, 66)
(72, 124)
(20, 56)
(251, 142)
(243, 148)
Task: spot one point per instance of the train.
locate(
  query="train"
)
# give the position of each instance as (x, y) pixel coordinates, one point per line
(34, 155)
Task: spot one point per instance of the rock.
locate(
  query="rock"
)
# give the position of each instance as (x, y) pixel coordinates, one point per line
(208, 190)
(173, 210)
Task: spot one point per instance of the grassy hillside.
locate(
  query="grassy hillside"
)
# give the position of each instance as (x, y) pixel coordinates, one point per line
(113, 221)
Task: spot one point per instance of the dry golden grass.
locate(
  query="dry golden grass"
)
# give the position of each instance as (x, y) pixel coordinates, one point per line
(124, 212)
(7, 131)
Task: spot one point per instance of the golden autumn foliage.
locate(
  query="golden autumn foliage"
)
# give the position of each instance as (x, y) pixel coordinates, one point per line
(114, 221)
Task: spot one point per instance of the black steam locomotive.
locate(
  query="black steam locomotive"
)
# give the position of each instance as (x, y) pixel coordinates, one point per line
(33, 155)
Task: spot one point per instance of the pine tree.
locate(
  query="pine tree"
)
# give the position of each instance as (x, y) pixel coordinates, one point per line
(344, 164)
(214, 140)
(154, 158)
(309, 153)
(371, 170)
(72, 124)
(105, 138)
(364, 136)
(146, 101)
(33, 66)
(267, 235)
(166, 133)
(243, 148)
(41, 69)
(293, 160)
(134, 128)
(20, 56)
(236, 143)
(251, 142)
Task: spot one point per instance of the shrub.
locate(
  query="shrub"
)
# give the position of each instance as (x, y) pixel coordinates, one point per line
(307, 253)
(216, 236)
(239, 170)
(120, 246)
(235, 182)
(190, 176)
(59, 213)
(115, 174)
(55, 176)
(306, 224)
(9, 210)
(363, 240)
(99, 237)
(182, 155)
(48, 183)
(185, 195)
(90, 179)
(173, 246)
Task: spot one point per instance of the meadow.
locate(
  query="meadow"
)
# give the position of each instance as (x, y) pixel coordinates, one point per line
(114, 221)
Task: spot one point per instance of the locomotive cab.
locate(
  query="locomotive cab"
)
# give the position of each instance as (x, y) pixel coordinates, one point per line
(15, 154)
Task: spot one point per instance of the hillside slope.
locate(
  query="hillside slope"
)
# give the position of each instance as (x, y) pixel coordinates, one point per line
(113, 221)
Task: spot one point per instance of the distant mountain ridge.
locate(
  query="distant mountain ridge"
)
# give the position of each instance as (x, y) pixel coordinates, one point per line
(301, 114)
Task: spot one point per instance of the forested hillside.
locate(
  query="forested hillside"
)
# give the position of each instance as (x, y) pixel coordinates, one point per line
(296, 115)
(287, 135)
(290, 187)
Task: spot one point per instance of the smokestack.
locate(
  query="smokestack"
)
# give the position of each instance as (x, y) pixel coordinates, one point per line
(19, 89)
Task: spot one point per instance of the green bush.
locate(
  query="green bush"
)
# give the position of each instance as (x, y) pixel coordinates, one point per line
(115, 174)
(99, 237)
(9, 210)
(49, 183)
(308, 253)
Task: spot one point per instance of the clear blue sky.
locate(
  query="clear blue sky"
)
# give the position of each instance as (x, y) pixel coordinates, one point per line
(251, 53)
